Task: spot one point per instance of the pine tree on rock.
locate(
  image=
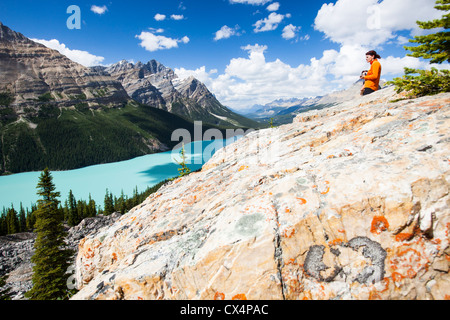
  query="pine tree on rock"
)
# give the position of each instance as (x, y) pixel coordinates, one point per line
(22, 219)
(73, 218)
(12, 221)
(4, 292)
(51, 256)
(434, 46)
(184, 170)
(108, 203)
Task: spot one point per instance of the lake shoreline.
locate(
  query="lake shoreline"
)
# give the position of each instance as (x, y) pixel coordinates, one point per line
(122, 177)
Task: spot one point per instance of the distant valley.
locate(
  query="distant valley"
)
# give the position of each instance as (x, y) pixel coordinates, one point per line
(283, 111)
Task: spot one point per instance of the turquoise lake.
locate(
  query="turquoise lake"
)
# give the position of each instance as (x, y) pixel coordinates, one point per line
(141, 172)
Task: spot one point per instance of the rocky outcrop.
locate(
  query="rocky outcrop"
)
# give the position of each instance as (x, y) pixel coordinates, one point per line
(349, 202)
(16, 252)
(34, 74)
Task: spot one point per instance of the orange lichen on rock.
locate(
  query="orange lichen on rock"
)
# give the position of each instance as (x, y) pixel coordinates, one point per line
(397, 277)
(336, 242)
(373, 295)
(89, 254)
(404, 237)
(289, 232)
(219, 296)
(242, 168)
(302, 201)
(327, 188)
(240, 296)
(379, 224)
(408, 262)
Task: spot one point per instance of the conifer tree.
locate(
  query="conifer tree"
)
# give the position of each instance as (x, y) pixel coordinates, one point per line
(4, 292)
(22, 219)
(3, 227)
(72, 218)
(12, 221)
(91, 207)
(184, 170)
(31, 217)
(435, 47)
(51, 256)
(109, 203)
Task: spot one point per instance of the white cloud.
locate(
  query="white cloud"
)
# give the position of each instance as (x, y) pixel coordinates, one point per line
(254, 80)
(305, 37)
(181, 6)
(226, 32)
(185, 40)
(290, 32)
(160, 17)
(356, 25)
(82, 57)
(370, 22)
(274, 6)
(177, 17)
(270, 23)
(201, 74)
(252, 2)
(152, 42)
(154, 30)
(99, 10)
(402, 40)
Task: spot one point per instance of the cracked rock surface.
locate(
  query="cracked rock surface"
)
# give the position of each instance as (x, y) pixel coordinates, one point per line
(349, 202)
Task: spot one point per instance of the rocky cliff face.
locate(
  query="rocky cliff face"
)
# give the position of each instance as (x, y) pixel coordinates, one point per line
(156, 85)
(350, 202)
(30, 70)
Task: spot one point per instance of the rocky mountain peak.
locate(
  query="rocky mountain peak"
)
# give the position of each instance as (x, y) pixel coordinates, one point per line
(191, 87)
(30, 70)
(156, 85)
(155, 67)
(151, 67)
(8, 35)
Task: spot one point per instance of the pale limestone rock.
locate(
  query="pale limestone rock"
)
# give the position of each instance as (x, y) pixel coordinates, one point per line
(349, 202)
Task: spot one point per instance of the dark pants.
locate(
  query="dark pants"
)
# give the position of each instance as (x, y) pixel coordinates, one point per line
(368, 91)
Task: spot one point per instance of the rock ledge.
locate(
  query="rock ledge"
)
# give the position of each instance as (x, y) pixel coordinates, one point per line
(351, 202)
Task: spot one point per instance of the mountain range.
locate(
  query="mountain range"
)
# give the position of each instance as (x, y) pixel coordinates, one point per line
(283, 111)
(156, 85)
(59, 114)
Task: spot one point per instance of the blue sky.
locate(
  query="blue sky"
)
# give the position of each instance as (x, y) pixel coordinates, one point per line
(245, 51)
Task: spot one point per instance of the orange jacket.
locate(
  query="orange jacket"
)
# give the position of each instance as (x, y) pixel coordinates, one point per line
(373, 76)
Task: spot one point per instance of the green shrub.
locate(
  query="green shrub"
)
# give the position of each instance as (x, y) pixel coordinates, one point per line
(6, 98)
(46, 97)
(423, 82)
